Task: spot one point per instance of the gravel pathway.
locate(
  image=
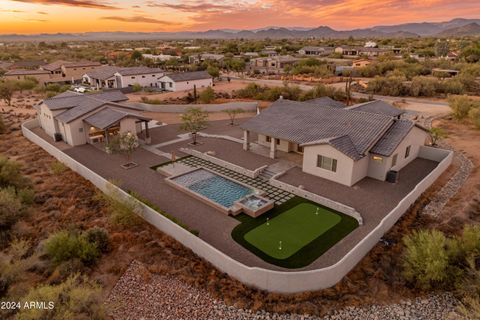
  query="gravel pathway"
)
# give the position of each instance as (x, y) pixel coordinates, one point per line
(142, 295)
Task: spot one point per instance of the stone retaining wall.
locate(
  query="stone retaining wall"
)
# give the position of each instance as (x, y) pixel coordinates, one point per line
(265, 279)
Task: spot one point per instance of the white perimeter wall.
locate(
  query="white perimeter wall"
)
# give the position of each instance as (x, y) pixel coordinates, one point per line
(270, 280)
(145, 80)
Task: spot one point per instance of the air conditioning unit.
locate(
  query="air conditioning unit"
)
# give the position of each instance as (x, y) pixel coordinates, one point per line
(392, 176)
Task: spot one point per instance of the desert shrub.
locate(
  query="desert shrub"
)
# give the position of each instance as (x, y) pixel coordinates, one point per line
(452, 86)
(474, 116)
(10, 175)
(461, 106)
(152, 101)
(425, 261)
(58, 167)
(423, 86)
(64, 246)
(26, 196)
(122, 212)
(99, 237)
(207, 95)
(75, 298)
(392, 86)
(323, 91)
(136, 87)
(11, 208)
(15, 262)
(3, 127)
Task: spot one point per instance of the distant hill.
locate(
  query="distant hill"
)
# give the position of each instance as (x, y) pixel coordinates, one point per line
(455, 27)
(471, 29)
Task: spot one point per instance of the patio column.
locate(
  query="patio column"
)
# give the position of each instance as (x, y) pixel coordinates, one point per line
(273, 148)
(246, 140)
(106, 136)
(148, 140)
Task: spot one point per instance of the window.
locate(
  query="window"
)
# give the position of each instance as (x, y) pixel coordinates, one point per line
(394, 160)
(407, 151)
(277, 141)
(143, 77)
(268, 138)
(327, 163)
(132, 77)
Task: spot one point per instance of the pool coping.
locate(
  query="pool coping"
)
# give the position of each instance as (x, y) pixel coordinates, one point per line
(234, 209)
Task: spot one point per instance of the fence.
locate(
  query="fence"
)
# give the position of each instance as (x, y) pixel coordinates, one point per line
(270, 280)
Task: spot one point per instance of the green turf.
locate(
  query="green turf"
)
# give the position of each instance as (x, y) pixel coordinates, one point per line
(306, 254)
(295, 228)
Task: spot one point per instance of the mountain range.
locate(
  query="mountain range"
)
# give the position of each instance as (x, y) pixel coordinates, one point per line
(452, 28)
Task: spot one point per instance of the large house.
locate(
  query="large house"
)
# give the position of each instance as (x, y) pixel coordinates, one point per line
(272, 65)
(344, 145)
(183, 81)
(316, 51)
(89, 118)
(120, 77)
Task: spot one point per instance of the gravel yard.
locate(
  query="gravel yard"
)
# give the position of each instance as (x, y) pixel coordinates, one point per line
(140, 294)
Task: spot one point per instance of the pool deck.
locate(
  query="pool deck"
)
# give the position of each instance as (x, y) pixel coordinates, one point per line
(215, 227)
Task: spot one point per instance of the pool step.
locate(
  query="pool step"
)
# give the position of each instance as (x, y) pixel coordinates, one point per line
(267, 174)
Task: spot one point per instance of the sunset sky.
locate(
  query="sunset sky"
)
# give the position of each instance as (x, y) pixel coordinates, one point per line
(51, 16)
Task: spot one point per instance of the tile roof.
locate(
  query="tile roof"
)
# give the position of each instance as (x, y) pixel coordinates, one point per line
(392, 138)
(188, 76)
(304, 123)
(103, 73)
(58, 64)
(106, 72)
(21, 72)
(107, 117)
(71, 99)
(379, 107)
(326, 102)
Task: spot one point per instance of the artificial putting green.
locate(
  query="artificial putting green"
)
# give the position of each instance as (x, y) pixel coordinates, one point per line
(295, 228)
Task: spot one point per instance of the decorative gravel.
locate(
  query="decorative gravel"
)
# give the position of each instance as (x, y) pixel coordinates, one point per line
(142, 295)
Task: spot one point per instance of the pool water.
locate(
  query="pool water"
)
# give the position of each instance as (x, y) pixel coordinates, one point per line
(216, 188)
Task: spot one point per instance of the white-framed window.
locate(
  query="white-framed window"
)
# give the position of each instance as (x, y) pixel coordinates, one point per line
(407, 151)
(327, 163)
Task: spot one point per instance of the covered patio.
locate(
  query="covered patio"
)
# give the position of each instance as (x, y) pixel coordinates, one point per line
(108, 123)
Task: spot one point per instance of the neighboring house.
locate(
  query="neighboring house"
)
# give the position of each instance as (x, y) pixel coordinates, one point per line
(56, 72)
(344, 145)
(365, 51)
(198, 58)
(65, 71)
(316, 51)
(159, 57)
(183, 81)
(79, 119)
(27, 64)
(118, 77)
(271, 65)
(42, 76)
(360, 63)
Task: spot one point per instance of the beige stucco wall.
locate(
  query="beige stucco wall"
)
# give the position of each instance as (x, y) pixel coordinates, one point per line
(415, 138)
(284, 145)
(128, 125)
(345, 165)
(47, 120)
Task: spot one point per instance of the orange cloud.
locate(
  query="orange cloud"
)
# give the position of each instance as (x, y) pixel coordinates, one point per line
(77, 3)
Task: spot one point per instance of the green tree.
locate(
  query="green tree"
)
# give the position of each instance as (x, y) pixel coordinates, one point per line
(136, 55)
(232, 114)
(194, 120)
(7, 89)
(128, 142)
(213, 71)
(436, 134)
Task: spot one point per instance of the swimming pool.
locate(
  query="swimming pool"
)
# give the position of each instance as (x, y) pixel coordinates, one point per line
(219, 189)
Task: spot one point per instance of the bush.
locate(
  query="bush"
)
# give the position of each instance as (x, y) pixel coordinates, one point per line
(207, 95)
(58, 168)
(461, 106)
(3, 127)
(391, 86)
(424, 86)
(64, 246)
(425, 261)
(123, 212)
(11, 208)
(136, 87)
(10, 175)
(76, 297)
(15, 262)
(474, 116)
(99, 237)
